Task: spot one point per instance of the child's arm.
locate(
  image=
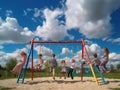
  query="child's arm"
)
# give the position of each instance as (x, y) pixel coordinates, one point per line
(23, 60)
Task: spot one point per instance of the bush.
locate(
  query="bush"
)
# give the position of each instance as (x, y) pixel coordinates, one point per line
(11, 64)
(118, 67)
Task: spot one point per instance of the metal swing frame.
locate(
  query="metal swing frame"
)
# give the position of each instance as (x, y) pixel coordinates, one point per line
(84, 50)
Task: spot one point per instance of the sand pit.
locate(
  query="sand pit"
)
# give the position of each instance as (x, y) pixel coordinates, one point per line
(47, 83)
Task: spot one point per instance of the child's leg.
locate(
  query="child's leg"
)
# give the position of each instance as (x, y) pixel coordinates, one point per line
(53, 73)
(71, 73)
(60, 75)
(101, 68)
(98, 68)
(104, 65)
(64, 75)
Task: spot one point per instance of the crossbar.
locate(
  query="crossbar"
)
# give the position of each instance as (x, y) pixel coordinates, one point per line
(57, 42)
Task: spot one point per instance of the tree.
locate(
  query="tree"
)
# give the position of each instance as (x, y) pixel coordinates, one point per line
(118, 67)
(11, 64)
(47, 65)
(0, 67)
(111, 68)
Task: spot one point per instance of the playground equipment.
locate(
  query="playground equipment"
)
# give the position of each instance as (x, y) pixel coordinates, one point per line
(84, 51)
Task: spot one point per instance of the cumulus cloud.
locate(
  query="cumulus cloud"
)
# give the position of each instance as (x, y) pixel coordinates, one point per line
(11, 31)
(114, 56)
(116, 40)
(95, 48)
(66, 51)
(92, 17)
(1, 47)
(51, 30)
(43, 50)
(25, 12)
(5, 57)
(8, 13)
(114, 59)
(92, 49)
(37, 12)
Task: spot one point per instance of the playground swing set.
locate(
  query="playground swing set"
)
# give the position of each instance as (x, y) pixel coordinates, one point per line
(21, 76)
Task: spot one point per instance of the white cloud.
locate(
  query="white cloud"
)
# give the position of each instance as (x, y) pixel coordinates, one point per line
(26, 32)
(94, 48)
(66, 51)
(51, 30)
(114, 56)
(92, 17)
(114, 59)
(116, 40)
(8, 13)
(1, 47)
(5, 57)
(29, 9)
(11, 31)
(26, 11)
(43, 50)
(37, 12)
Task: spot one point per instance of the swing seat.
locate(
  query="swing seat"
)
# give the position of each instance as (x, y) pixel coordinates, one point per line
(42, 67)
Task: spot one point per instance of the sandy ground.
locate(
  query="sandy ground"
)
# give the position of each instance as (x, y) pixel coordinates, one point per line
(47, 83)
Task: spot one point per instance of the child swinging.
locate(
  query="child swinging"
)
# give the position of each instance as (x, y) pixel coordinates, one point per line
(39, 66)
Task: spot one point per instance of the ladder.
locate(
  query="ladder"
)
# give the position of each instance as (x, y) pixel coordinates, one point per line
(101, 76)
(19, 75)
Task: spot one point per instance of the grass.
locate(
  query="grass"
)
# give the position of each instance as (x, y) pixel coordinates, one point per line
(5, 88)
(111, 75)
(115, 75)
(115, 88)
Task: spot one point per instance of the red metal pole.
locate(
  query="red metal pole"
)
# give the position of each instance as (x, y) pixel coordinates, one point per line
(82, 70)
(32, 43)
(53, 42)
(82, 51)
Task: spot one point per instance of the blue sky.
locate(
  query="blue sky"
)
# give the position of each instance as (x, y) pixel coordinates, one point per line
(97, 22)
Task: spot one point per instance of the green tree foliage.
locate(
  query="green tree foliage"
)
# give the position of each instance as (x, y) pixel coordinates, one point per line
(47, 65)
(11, 64)
(0, 67)
(118, 67)
(111, 68)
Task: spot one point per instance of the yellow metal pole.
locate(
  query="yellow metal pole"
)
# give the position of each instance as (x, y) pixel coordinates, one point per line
(93, 73)
(89, 61)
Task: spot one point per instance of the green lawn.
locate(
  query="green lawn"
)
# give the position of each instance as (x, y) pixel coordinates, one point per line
(115, 88)
(112, 75)
(115, 75)
(5, 88)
